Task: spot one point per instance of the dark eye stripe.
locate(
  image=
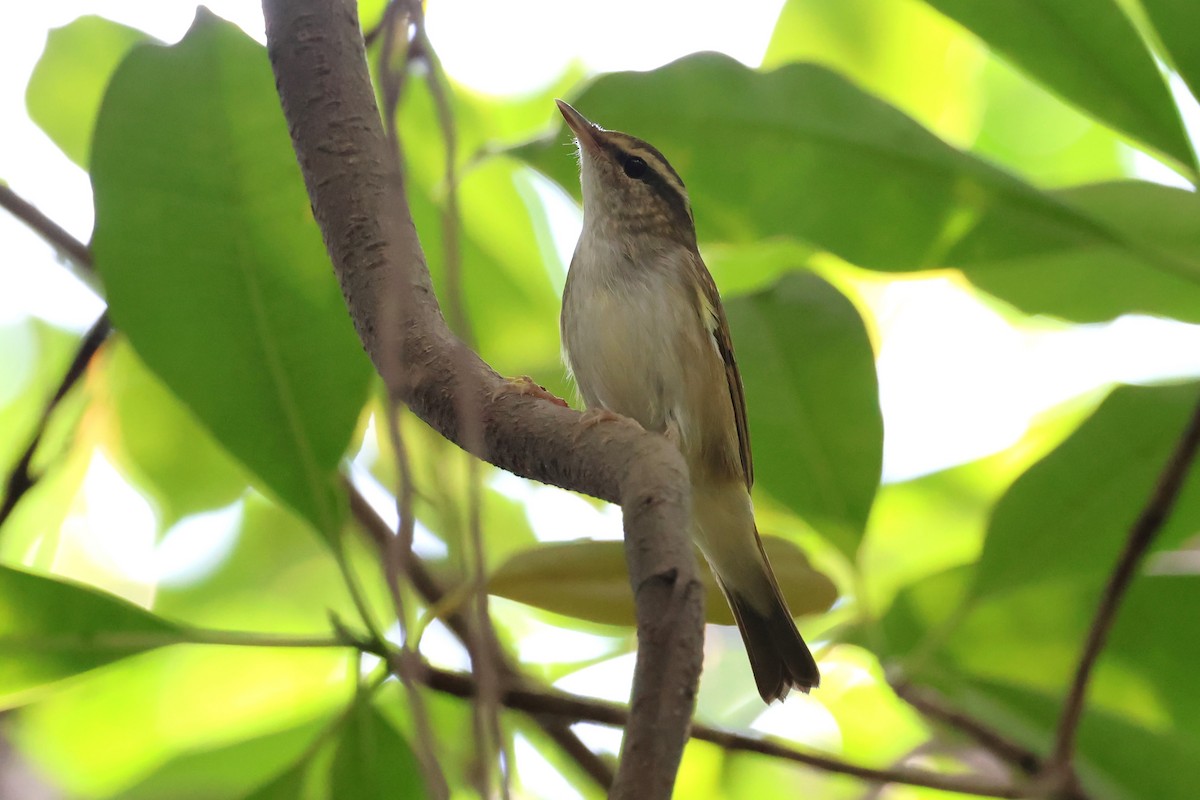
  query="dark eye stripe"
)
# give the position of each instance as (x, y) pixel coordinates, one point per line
(659, 176)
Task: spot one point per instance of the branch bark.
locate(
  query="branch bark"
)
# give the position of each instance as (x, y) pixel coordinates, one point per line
(1158, 508)
(358, 199)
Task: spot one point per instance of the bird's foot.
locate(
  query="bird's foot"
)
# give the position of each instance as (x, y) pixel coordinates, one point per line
(526, 385)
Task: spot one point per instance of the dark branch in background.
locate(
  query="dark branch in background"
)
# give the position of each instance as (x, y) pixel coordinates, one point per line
(47, 228)
(397, 554)
(586, 710)
(1141, 536)
(358, 198)
(21, 480)
(433, 594)
(935, 707)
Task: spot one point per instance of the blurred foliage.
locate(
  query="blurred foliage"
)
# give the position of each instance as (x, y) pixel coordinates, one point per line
(891, 136)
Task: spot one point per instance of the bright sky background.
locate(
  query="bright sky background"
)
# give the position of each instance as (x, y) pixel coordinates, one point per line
(957, 380)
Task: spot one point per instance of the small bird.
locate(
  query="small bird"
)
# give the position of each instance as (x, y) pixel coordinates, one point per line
(645, 336)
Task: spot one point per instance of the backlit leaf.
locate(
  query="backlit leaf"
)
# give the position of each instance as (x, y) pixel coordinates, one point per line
(214, 267)
(589, 580)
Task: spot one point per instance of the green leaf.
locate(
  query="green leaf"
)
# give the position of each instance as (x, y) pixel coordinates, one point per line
(1090, 53)
(233, 769)
(214, 267)
(274, 578)
(1096, 283)
(158, 706)
(589, 580)
(373, 761)
(1176, 23)
(1070, 514)
(900, 50)
(67, 84)
(292, 784)
(160, 445)
(1117, 758)
(820, 160)
(812, 397)
(510, 302)
(1011, 660)
(50, 630)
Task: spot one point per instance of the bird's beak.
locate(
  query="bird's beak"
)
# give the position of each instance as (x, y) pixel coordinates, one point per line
(586, 132)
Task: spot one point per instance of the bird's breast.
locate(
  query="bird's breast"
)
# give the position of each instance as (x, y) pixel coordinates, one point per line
(634, 341)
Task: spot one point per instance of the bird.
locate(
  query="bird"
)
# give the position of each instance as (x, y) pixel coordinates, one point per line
(644, 336)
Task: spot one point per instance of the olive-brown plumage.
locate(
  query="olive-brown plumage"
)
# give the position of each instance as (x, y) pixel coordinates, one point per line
(645, 336)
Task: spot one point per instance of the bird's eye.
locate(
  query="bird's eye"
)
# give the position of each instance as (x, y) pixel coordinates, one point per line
(635, 167)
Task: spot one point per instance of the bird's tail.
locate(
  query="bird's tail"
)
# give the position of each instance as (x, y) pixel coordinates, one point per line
(778, 655)
(726, 533)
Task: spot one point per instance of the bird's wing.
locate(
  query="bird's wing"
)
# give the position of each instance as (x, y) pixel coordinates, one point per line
(718, 327)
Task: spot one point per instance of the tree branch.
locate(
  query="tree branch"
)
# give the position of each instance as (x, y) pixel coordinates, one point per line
(357, 193)
(21, 480)
(559, 731)
(47, 228)
(1141, 536)
(586, 710)
(933, 706)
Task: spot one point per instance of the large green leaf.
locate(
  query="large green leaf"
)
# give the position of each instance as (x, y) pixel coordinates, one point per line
(373, 761)
(214, 267)
(1098, 282)
(801, 152)
(812, 398)
(1118, 759)
(1143, 706)
(900, 50)
(509, 299)
(589, 580)
(1070, 514)
(50, 630)
(159, 443)
(234, 769)
(273, 578)
(67, 85)
(1176, 22)
(1089, 52)
(159, 706)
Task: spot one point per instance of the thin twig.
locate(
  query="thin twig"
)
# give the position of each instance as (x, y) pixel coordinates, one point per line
(393, 68)
(936, 708)
(558, 730)
(399, 17)
(48, 229)
(484, 647)
(1141, 536)
(21, 480)
(397, 559)
(586, 710)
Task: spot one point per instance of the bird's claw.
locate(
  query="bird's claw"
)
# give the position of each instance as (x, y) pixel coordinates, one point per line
(524, 384)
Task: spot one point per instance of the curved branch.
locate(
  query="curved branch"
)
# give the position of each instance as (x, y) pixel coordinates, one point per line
(358, 199)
